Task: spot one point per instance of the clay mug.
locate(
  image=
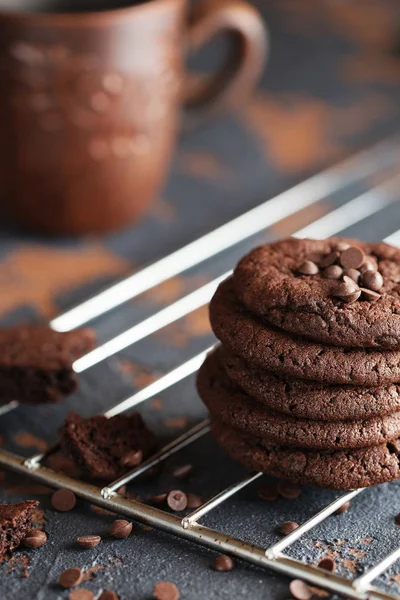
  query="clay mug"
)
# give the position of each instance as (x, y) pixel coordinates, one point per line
(90, 101)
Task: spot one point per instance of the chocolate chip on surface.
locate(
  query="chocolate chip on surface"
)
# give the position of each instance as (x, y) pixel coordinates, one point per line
(354, 274)
(329, 259)
(120, 529)
(183, 471)
(352, 258)
(372, 280)
(194, 501)
(289, 489)
(308, 268)
(35, 538)
(300, 590)
(108, 595)
(177, 500)
(88, 541)
(288, 527)
(351, 297)
(332, 272)
(63, 500)
(369, 295)
(327, 564)
(81, 594)
(133, 458)
(342, 509)
(347, 289)
(268, 491)
(165, 590)
(70, 578)
(341, 246)
(223, 563)
(369, 264)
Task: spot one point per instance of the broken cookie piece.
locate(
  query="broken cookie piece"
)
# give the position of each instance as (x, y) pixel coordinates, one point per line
(100, 446)
(15, 522)
(36, 362)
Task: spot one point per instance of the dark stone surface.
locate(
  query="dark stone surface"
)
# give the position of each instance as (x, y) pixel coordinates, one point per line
(332, 84)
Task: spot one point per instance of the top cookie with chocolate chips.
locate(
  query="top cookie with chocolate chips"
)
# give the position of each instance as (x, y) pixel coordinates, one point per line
(337, 291)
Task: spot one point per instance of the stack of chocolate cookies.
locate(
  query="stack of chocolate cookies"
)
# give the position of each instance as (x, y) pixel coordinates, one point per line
(305, 383)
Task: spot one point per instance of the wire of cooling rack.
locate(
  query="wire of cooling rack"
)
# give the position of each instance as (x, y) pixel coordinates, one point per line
(355, 210)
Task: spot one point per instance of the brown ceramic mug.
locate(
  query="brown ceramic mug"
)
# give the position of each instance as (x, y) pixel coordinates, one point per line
(90, 98)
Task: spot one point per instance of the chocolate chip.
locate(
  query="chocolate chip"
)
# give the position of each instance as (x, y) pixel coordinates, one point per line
(346, 288)
(223, 563)
(88, 541)
(183, 471)
(327, 564)
(353, 274)
(341, 246)
(333, 272)
(120, 529)
(165, 590)
(194, 501)
(177, 500)
(369, 295)
(289, 489)
(268, 491)
(70, 578)
(81, 594)
(369, 264)
(288, 527)
(329, 259)
(133, 458)
(308, 268)
(372, 280)
(343, 508)
(300, 590)
(63, 500)
(352, 297)
(157, 500)
(34, 538)
(352, 258)
(108, 595)
(397, 520)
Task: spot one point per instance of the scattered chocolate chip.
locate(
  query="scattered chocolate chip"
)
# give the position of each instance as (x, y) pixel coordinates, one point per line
(34, 538)
(397, 520)
(308, 268)
(327, 564)
(70, 578)
(352, 258)
(341, 246)
(353, 274)
(63, 500)
(369, 295)
(347, 289)
(133, 458)
(289, 489)
(81, 594)
(157, 500)
(122, 490)
(183, 471)
(120, 529)
(165, 590)
(369, 264)
(300, 590)
(177, 500)
(352, 297)
(333, 272)
(268, 491)
(223, 563)
(88, 541)
(329, 259)
(288, 527)
(342, 509)
(316, 257)
(108, 595)
(372, 280)
(194, 501)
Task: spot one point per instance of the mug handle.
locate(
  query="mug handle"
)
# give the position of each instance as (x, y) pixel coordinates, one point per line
(228, 89)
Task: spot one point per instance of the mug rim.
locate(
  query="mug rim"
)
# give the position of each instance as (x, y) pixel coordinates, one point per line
(90, 17)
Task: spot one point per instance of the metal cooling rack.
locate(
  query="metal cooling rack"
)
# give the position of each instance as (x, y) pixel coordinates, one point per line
(376, 164)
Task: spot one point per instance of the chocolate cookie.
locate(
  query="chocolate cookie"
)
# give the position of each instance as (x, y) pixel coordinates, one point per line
(339, 469)
(260, 344)
(307, 399)
(106, 448)
(36, 362)
(15, 522)
(292, 283)
(232, 406)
